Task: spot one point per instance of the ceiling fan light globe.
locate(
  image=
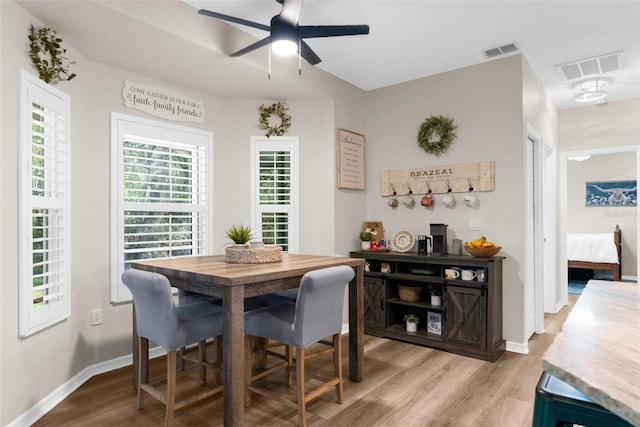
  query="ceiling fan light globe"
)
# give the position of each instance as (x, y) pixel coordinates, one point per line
(284, 47)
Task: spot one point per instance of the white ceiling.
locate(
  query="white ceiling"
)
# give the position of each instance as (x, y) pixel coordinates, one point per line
(407, 40)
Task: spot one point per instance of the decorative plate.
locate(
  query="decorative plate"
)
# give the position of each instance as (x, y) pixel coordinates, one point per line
(403, 241)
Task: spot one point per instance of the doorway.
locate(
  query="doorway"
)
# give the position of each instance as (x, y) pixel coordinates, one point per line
(632, 150)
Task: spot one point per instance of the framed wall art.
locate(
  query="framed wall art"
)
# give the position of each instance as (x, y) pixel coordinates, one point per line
(350, 160)
(612, 193)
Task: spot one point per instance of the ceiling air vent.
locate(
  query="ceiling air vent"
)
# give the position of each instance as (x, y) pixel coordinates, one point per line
(591, 66)
(500, 50)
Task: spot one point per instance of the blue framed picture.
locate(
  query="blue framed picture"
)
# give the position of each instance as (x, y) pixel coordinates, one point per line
(612, 193)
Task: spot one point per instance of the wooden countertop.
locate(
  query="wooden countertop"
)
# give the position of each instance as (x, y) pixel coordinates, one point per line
(598, 350)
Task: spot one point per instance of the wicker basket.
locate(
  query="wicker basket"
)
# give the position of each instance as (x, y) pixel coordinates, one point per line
(262, 255)
(409, 293)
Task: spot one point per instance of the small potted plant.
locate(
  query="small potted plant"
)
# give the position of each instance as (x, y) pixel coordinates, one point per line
(239, 234)
(436, 297)
(366, 237)
(412, 322)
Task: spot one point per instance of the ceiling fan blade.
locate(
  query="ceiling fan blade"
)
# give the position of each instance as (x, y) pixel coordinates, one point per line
(308, 54)
(314, 31)
(291, 10)
(253, 46)
(234, 20)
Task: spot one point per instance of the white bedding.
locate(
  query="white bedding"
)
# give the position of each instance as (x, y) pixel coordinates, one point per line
(592, 248)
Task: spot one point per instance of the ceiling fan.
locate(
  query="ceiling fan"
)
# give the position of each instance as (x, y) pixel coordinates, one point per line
(285, 33)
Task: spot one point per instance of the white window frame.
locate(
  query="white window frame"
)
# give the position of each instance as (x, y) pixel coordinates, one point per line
(289, 144)
(44, 186)
(136, 128)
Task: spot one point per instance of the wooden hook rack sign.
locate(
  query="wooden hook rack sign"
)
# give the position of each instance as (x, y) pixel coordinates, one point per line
(458, 177)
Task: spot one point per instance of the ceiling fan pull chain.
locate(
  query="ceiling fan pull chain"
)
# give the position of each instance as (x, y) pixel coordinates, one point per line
(269, 75)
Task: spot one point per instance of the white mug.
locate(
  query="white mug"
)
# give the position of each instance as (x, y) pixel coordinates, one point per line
(409, 201)
(451, 273)
(449, 200)
(468, 274)
(470, 200)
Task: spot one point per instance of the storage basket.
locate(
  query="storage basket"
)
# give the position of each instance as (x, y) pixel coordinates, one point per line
(262, 255)
(409, 293)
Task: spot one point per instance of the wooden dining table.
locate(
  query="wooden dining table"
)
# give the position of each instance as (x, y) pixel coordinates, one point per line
(211, 275)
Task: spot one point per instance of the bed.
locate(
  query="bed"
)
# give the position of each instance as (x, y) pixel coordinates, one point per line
(600, 251)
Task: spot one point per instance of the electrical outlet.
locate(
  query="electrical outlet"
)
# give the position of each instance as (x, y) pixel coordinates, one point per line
(474, 224)
(96, 317)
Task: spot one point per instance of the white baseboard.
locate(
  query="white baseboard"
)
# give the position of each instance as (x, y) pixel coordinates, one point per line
(516, 347)
(58, 395)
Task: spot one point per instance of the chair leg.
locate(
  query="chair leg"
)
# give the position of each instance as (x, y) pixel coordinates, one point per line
(218, 360)
(202, 357)
(300, 394)
(337, 366)
(142, 368)
(289, 356)
(171, 387)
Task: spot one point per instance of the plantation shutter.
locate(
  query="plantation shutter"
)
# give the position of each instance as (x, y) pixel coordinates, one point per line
(163, 194)
(274, 177)
(44, 203)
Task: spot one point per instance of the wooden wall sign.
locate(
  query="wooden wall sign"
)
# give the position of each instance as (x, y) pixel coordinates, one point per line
(350, 160)
(162, 102)
(480, 174)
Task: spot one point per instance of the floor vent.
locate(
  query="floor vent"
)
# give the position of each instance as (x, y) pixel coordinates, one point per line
(591, 66)
(501, 50)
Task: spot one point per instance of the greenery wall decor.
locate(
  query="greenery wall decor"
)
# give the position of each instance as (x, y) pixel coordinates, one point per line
(279, 110)
(436, 134)
(47, 55)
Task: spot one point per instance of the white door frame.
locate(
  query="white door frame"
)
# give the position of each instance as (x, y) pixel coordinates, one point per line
(564, 158)
(540, 243)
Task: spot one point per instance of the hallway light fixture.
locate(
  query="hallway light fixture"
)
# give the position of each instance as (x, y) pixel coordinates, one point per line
(591, 90)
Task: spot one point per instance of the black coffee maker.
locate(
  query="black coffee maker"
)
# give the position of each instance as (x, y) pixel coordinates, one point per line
(439, 236)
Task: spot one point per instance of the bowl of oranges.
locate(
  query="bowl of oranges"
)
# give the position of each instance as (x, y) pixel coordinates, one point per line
(482, 248)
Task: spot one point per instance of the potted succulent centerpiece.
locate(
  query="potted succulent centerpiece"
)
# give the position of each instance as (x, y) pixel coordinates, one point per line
(412, 322)
(239, 234)
(240, 253)
(366, 237)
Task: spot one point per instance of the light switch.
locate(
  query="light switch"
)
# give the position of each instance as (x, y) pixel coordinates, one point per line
(474, 224)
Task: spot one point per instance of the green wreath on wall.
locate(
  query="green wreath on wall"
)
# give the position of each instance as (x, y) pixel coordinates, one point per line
(47, 55)
(279, 110)
(436, 134)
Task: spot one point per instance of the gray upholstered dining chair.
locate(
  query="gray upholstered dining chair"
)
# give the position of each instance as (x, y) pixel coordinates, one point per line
(159, 320)
(315, 315)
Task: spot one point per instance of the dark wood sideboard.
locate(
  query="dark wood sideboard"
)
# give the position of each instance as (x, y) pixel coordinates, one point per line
(470, 313)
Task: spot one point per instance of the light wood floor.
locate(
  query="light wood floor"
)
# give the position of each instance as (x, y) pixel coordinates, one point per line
(405, 385)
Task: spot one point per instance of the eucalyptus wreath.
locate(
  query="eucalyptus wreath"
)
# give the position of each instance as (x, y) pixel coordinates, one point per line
(47, 55)
(436, 134)
(278, 110)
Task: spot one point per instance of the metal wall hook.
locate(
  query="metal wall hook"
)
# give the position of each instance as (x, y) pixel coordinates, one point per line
(428, 187)
(409, 187)
(448, 186)
(393, 187)
(470, 185)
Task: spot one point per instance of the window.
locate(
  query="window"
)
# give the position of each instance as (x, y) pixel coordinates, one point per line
(161, 195)
(44, 205)
(274, 192)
